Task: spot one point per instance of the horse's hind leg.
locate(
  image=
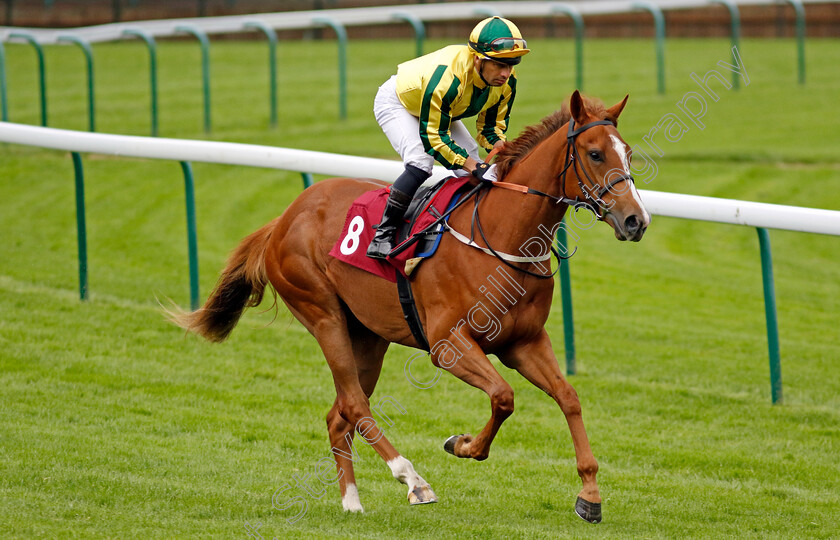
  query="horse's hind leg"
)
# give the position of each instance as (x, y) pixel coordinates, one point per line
(341, 441)
(352, 367)
(312, 298)
(369, 351)
(536, 362)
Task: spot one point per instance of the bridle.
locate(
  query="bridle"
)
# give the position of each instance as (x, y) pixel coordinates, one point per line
(592, 201)
(592, 193)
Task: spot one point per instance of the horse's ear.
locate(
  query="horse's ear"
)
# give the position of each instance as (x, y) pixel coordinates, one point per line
(614, 111)
(578, 109)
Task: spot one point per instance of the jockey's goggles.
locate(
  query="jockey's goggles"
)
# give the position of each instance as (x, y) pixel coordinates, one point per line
(507, 50)
(505, 45)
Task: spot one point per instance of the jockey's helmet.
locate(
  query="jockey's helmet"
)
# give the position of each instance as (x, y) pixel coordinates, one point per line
(498, 39)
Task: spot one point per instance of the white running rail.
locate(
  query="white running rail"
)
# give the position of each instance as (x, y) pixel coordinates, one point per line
(753, 214)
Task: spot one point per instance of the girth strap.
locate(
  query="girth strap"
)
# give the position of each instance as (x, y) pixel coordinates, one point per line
(410, 311)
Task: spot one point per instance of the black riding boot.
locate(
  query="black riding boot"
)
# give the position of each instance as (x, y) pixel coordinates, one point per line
(386, 232)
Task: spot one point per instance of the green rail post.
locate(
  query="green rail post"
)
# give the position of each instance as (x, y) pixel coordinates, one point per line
(150, 44)
(574, 14)
(566, 293)
(81, 227)
(205, 67)
(307, 179)
(272, 65)
(42, 74)
(659, 23)
(341, 34)
(800, 37)
(419, 29)
(4, 103)
(734, 32)
(770, 315)
(192, 237)
(88, 52)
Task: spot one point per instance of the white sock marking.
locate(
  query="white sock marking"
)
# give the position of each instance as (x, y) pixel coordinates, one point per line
(350, 501)
(403, 470)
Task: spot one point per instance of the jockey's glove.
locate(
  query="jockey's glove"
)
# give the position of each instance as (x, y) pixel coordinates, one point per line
(484, 172)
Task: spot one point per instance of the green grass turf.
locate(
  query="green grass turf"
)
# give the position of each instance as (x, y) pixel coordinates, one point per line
(112, 424)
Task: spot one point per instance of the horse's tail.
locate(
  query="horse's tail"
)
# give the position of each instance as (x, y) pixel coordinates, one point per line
(241, 285)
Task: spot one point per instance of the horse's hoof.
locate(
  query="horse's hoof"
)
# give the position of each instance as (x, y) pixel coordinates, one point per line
(449, 444)
(421, 495)
(588, 511)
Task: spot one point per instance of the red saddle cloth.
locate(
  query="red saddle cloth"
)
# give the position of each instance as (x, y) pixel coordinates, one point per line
(366, 212)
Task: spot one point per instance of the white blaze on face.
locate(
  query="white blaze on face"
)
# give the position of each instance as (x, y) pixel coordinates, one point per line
(621, 150)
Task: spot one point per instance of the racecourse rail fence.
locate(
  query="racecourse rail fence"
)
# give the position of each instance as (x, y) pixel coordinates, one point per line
(759, 215)
(339, 19)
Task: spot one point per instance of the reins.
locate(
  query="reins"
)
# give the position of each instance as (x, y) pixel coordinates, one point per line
(592, 201)
(476, 220)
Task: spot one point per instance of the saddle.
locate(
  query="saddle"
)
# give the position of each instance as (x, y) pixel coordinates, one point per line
(418, 238)
(428, 204)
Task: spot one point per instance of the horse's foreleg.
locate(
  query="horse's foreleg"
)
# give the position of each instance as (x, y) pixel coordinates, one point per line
(475, 369)
(536, 362)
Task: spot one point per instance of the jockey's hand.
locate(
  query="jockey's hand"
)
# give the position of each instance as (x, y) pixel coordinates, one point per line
(484, 172)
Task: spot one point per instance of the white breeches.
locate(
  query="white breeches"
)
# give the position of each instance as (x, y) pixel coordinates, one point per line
(403, 129)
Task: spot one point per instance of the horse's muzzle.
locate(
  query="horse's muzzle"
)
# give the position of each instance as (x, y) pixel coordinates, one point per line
(632, 228)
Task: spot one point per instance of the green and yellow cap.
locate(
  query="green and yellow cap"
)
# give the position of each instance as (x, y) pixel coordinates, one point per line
(498, 39)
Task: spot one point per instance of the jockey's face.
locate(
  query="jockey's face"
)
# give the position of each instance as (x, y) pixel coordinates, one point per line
(494, 73)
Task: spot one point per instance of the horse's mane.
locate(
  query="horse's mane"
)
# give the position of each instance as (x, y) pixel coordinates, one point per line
(531, 136)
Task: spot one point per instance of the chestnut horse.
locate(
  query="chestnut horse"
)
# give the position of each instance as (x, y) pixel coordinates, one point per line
(355, 315)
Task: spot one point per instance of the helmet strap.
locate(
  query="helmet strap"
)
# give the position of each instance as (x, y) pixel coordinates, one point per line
(481, 61)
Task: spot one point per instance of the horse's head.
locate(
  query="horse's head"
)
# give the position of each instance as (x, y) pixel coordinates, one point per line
(599, 172)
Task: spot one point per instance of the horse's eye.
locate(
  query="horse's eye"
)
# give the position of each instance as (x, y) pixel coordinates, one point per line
(595, 155)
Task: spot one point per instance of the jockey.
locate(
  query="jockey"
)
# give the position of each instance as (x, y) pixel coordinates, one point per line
(420, 110)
